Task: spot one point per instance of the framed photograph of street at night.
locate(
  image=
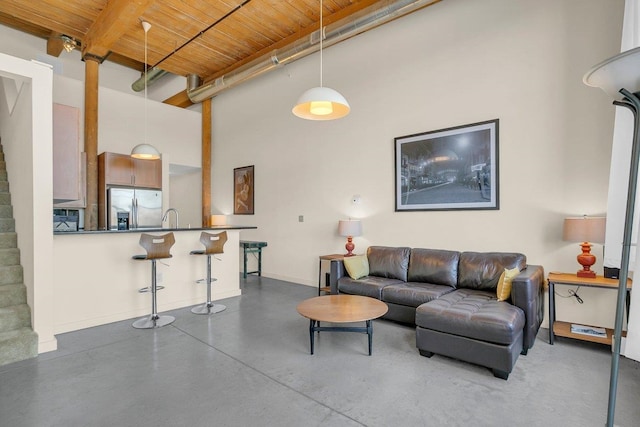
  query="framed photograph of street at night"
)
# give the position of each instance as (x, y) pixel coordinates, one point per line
(448, 169)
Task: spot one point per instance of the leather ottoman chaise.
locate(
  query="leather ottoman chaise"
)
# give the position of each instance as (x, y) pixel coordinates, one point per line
(451, 297)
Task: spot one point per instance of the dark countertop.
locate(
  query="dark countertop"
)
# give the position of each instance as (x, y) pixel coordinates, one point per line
(159, 230)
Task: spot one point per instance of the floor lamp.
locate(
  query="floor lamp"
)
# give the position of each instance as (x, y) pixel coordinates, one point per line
(620, 75)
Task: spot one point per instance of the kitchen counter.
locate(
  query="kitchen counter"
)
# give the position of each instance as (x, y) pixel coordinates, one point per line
(95, 280)
(159, 230)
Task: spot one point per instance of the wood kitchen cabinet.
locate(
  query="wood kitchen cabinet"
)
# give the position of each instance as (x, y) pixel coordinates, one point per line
(124, 170)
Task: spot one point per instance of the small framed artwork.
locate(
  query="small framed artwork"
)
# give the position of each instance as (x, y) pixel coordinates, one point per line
(448, 169)
(243, 186)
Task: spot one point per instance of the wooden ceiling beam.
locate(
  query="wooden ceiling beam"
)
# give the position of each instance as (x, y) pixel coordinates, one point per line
(180, 99)
(54, 44)
(114, 20)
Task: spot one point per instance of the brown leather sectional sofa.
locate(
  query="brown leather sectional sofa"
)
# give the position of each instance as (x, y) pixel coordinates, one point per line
(451, 298)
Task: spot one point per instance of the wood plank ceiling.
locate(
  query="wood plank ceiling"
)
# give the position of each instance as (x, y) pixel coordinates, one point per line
(241, 30)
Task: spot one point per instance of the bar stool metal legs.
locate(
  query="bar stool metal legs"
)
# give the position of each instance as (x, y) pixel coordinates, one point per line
(208, 307)
(157, 247)
(153, 320)
(214, 244)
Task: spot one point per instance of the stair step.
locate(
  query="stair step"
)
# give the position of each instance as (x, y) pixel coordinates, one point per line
(17, 345)
(12, 295)
(8, 240)
(4, 186)
(5, 198)
(1, 154)
(7, 224)
(3, 165)
(9, 256)
(10, 274)
(15, 317)
(6, 211)
(3, 175)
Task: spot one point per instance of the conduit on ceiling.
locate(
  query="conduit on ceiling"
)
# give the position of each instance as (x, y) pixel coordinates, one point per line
(153, 74)
(358, 23)
(343, 29)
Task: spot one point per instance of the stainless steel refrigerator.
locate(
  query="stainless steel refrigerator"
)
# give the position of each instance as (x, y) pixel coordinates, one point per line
(142, 208)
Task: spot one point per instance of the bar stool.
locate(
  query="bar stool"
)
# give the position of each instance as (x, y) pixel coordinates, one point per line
(214, 244)
(157, 247)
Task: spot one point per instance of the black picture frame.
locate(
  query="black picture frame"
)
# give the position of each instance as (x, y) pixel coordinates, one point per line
(243, 190)
(448, 169)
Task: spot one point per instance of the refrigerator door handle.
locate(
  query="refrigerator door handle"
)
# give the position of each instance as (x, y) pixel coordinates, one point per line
(134, 212)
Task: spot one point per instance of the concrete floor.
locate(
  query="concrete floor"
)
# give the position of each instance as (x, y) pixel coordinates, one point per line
(250, 365)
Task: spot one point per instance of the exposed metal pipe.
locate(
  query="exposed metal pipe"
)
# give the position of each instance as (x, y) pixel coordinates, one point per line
(353, 25)
(151, 76)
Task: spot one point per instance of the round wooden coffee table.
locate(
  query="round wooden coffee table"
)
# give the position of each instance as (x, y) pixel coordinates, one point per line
(342, 309)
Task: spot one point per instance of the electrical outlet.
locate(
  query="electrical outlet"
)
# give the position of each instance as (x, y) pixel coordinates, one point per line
(300, 218)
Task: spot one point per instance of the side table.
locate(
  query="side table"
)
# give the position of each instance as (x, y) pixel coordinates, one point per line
(332, 276)
(563, 329)
(251, 247)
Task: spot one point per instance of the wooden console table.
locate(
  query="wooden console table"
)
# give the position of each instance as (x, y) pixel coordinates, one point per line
(563, 329)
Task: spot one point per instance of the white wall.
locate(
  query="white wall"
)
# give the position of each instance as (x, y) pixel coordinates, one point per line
(26, 132)
(186, 197)
(454, 63)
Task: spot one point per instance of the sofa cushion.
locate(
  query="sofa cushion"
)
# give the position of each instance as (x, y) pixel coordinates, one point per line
(478, 270)
(356, 266)
(505, 283)
(369, 286)
(473, 314)
(388, 262)
(435, 266)
(413, 294)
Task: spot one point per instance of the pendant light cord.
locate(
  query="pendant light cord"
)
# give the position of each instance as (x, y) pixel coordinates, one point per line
(146, 31)
(321, 37)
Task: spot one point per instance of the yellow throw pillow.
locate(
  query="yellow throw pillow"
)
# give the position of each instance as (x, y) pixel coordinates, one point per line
(504, 283)
(357, 266)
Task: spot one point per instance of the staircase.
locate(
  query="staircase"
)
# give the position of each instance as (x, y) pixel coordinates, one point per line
(17, 340)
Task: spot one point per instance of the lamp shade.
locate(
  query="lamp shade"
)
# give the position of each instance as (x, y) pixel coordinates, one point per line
(218, 220)
(321, 103)
(615, 73)
(350, 227)
(584, 229)
(145, 151)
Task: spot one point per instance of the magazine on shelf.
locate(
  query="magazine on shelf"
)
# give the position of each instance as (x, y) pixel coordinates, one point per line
(588, 330)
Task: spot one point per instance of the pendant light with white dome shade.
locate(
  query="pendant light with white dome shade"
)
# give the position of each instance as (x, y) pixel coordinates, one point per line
(321, 103)
(145, 151)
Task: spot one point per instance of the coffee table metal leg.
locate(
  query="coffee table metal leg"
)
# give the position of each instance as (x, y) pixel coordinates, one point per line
(370, 334)
(311, 325)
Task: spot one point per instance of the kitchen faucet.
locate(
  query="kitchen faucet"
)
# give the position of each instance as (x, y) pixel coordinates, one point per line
(166, 215)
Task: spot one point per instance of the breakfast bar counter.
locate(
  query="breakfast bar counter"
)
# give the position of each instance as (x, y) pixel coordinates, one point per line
(96, 281)
(212, 229)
